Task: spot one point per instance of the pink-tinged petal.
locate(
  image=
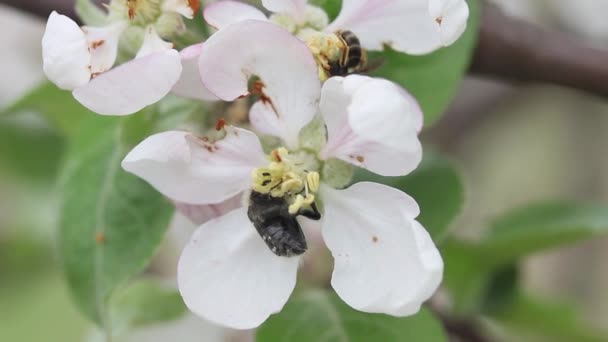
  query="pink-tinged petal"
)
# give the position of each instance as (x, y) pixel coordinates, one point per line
(228, 276)
(371, 123)
(153, 43)
(385, 262)
(294, 8)
(223, 13)
(132, 86)
(450, 17)
(103, 45)
(195, 170)
(284, 64)
(190, 84)
(263, 119)
(65, 53)
(202, 213)
(406, 25)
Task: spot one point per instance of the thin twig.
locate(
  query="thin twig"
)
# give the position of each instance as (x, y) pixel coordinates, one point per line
(512, 49)
(508, 49)
(42, 8)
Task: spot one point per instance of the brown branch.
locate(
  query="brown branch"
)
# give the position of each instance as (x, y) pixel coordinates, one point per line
(42, 8)
(511, 49)
(463, 330)
(507, 49)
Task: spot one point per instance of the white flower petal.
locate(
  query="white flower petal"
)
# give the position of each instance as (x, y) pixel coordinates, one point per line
(191, 170)
(184, 7)
(450, 16)
(190, 84)
(202, 213)
(371, 123)
(385, 262)
(223, 13)
(228, 275)
(133, 85)
(283, 63)
(294, 8)
(264, 120)
(406, 25)
(153, 43)
(65, 53)
(103, 45)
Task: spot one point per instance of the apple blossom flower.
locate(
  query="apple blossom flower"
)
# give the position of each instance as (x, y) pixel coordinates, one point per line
(80, 59)
(385, 261)
(410, 26)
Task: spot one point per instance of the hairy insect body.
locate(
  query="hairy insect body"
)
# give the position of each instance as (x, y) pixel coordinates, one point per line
(337, 54)
(278, 227)
(351, 59)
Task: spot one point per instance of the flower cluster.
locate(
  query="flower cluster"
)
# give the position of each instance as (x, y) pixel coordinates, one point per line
(240, 266)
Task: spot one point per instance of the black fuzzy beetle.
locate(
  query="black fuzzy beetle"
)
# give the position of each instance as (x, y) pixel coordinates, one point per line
(277, 227)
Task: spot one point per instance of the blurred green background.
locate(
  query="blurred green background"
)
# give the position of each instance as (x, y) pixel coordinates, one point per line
(526, 143)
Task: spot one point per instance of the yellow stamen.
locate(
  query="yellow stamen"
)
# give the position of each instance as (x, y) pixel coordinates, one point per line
(313, 181)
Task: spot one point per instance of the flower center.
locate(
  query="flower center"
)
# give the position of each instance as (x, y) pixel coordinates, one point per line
(291, 176)
(140, 12)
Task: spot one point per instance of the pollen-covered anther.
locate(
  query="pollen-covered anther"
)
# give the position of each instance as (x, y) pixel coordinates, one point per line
(313, 180)
(291, 184)
(219, 125)
(278, 154)
(301, 202)
(286, 176)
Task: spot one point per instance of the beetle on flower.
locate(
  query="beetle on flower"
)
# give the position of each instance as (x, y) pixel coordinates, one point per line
(80, 59)
(385, 261)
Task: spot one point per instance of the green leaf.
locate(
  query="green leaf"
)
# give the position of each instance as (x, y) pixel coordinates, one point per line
(90, 13)
(433, 79)
(111, 222)
(437, 187)
(321, 316)
(56, 105)
(38, 309)
(541, 226)
(146, 302)
(331, 7)
(466, 275)
(529, 317)
(470, 268)
(29, 148)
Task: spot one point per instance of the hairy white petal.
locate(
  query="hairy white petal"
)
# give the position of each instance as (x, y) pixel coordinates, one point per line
(228, 275)
(294, 8)
(103, 45)
(283, 63)
(220, 14)
(152, 43)
(450, 16)
(190, 170)
(410, 26)
(133, 85)
(385, 262)
(65, 53)
(201, 213)
(179, 6)
(190, 84)
(371, 123)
